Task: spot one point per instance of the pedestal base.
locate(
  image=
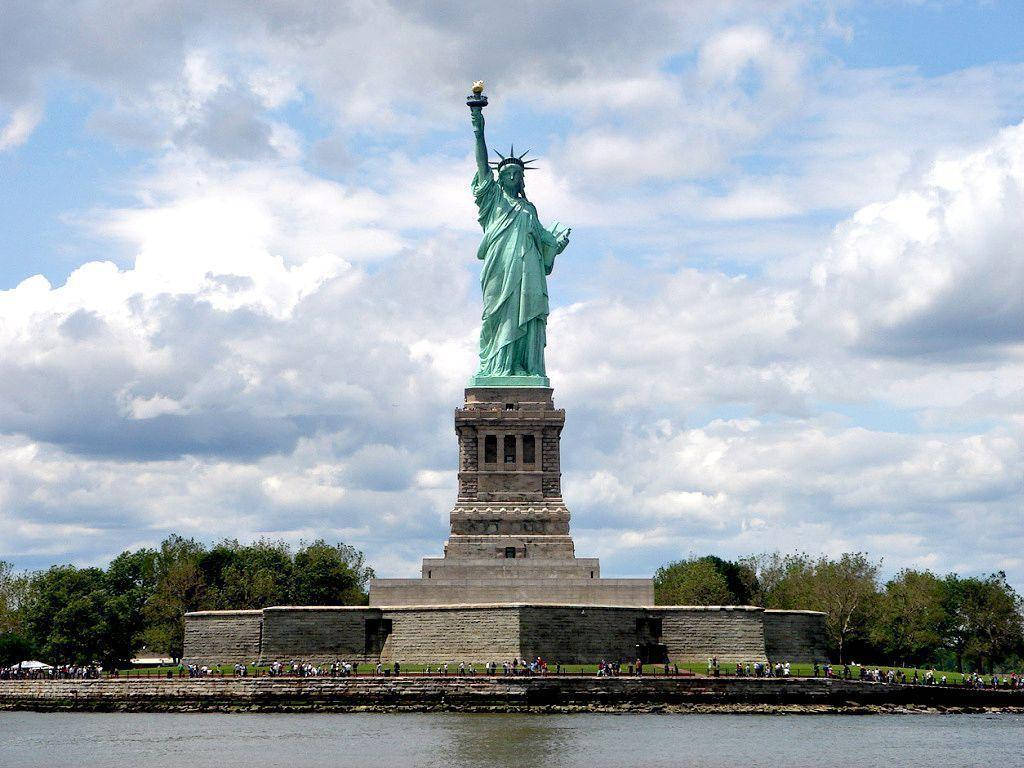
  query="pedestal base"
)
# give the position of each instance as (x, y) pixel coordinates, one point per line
(503, 589)
(509, 381)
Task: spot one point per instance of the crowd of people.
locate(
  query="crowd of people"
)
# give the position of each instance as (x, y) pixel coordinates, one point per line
(633, 668)
(751, 669)
(61, 672)
(536, 666)
(300, 669)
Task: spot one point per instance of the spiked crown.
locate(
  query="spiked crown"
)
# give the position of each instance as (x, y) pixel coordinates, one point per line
(512, 159)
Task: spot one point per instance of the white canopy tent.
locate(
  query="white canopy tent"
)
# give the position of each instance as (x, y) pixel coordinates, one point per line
(30, 665)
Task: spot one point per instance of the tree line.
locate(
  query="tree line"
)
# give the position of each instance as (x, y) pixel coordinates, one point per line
(69, 615)
(137, 603)
(916, 618)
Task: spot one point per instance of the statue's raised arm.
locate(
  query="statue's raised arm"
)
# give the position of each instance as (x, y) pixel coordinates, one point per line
(476, 116)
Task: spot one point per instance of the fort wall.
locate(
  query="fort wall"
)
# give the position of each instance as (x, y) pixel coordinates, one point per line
(578, 634)
(436, 634)
(729, 633)
(223, 637)
(570, 633)
(795, 636)
(317, 634)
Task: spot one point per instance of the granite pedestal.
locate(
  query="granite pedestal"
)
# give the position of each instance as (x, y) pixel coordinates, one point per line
(509, 539)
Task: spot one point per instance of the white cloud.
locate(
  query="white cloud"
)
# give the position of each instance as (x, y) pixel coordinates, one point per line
(281, 352)
(20, 125)
(255, 373)
(939, 269)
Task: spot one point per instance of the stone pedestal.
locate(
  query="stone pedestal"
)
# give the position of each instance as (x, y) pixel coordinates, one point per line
(509, 539)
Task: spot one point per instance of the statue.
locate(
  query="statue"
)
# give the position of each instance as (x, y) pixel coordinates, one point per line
(518, 254)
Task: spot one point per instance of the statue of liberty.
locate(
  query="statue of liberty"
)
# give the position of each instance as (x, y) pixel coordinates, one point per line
(518, 254)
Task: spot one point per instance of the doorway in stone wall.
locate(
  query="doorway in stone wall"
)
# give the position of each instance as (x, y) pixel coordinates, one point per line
(376, 633)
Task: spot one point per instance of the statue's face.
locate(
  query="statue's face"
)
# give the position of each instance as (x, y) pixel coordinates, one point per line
(511, 178)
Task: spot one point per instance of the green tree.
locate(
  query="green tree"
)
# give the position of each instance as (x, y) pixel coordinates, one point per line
(985, 620)
(740, 578)
(998, 620)
(13, 598)
(66, 616)
(213, 563)
(910, 621)
(131, 580)
(782, 581)
(329, 575)
(695, 581)
(14, 648)
(258, 575)
(179, 588)
(845, 590)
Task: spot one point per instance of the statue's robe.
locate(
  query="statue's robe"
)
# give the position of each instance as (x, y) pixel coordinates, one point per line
(517, 253)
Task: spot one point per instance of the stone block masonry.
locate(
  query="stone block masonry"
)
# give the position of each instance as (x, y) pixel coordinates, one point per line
(223, 637)
(796, 636)
(580, 633)
(509, 537)
(414, 592)
(566, 633)
(509, 584)
(452, 634)
(320, 634)
(480, 693)
(729, 633)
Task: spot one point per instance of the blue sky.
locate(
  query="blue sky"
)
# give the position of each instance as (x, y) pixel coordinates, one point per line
(790, 317)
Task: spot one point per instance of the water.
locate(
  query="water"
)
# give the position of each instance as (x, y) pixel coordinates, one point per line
(583, 741)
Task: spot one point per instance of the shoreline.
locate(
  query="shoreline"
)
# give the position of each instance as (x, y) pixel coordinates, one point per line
(484, 694)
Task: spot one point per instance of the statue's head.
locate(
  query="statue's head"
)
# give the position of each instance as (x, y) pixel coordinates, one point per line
(511, 171)
(510, 178)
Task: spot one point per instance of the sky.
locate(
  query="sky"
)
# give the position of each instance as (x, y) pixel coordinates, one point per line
(239, 298)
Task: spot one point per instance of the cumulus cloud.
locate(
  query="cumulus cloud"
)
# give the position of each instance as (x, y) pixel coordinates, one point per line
(232, 383)
(939, 269)
(280, 352)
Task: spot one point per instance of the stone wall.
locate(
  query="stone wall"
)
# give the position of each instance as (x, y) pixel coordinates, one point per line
(452, 634)
(487, 694)
(695, 633)
(571, 632)
(596, 592)
(551, 461)
(578, 634)
(316, 634)
(796, 636)
(222, 637)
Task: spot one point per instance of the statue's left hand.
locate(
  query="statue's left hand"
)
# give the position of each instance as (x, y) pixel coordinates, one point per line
(562, 239)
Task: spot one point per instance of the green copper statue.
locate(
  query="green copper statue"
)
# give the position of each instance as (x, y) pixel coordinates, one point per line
(518, 253)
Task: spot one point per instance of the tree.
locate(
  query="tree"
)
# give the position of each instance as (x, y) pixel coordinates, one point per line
(329, 575)
(782, 581)
(696, 581)
(14, 648)
(131, 581)
(910, 621)
(179, 588)
(844, 589)
(997, 618)
(985, 619)
(13, 596)
(740, 578)
(259, 575)
(65, 614)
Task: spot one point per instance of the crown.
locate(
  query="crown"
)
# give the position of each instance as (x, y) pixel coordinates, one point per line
(520, 160)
